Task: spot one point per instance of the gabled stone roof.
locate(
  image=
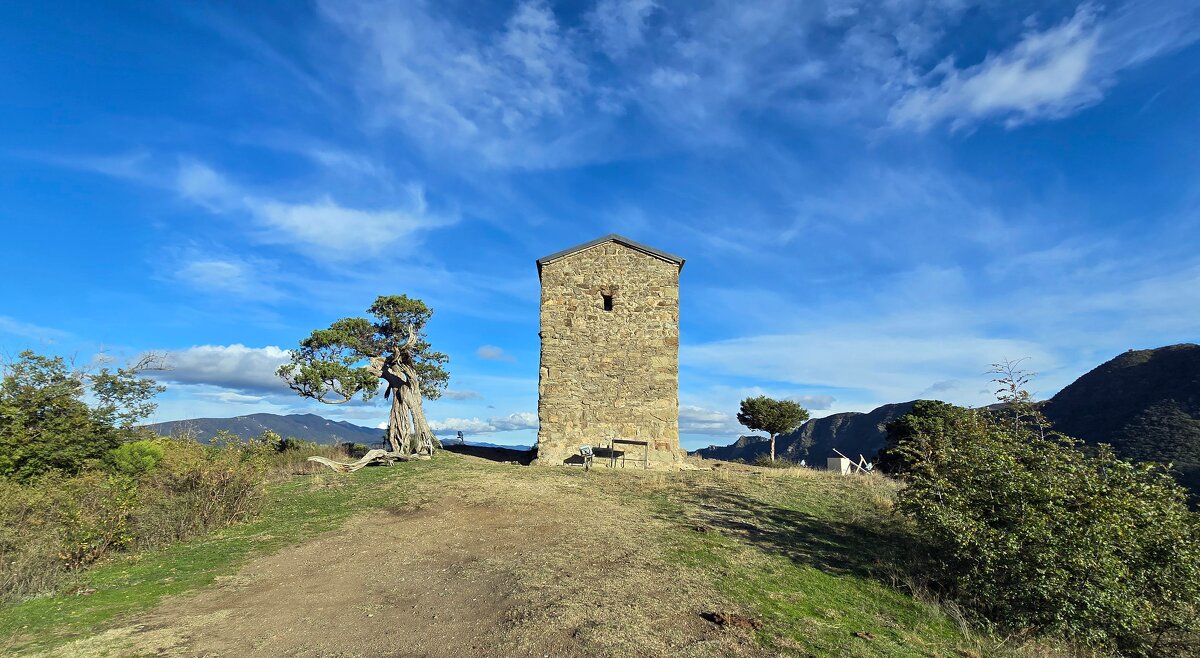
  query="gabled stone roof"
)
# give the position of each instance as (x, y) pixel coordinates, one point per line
(611, 237)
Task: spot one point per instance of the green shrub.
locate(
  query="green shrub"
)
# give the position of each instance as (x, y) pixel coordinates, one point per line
(45, 423)
(56, 524)
(294, 459)
(1034, 533)
(765, 461)
(134, 458)
(198, 489)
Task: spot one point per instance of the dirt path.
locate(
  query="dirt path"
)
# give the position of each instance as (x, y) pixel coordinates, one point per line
(497, 561)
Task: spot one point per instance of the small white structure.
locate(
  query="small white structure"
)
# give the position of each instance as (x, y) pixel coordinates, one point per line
(839, 465)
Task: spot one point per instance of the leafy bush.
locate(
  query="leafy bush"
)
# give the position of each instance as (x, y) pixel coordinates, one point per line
(56, 524)
(765, 461)
(199, 488)
(134, 458)
(1034, 533)
(45, 424)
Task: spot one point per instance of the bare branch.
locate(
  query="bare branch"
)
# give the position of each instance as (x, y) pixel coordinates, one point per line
(150, 361)
(412, 339)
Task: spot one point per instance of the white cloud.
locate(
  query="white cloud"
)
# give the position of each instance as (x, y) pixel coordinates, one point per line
(14, 327)
(226, 276)
(446, 86)
(453, 394)
(235, 367)
(344, 232)
(493, 353)
(620, 25)
(509, 423)
(814, 402)
(1049, 73)
(701, 420)
(202, 185)
(1046, 75)
(322, 227)
(883, 360)
(347, 163)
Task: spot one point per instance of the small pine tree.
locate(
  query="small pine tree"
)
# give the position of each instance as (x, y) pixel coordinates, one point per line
(772, 416)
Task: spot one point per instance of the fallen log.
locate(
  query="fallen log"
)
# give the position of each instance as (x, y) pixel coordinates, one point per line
(372, 457)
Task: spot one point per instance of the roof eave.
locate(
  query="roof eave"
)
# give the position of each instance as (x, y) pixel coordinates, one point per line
(611, 237)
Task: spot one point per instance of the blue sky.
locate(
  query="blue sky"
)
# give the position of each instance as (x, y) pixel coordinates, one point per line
(875, 200)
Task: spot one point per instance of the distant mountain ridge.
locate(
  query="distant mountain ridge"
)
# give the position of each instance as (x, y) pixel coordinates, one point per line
(1145, 403)
(853, 433)
(309, 427)
(747, 448)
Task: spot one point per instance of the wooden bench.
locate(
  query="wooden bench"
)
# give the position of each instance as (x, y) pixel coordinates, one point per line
(612, 452)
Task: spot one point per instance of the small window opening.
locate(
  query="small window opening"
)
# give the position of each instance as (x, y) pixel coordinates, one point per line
(607, 300)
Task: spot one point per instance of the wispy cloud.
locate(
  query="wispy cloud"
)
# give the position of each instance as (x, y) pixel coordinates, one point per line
(814, 402)
(493, 353)
(322, 226)
(620, 25)
(46, 335)
(448, 87)
(536, 92)
(708, 422)
(1049, 73)
(880, 361)
(319, 226)
(1046, 75)
(512, 422)
(226, 275)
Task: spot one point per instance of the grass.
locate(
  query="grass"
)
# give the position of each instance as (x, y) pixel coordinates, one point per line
(818, 559)
(809, 556)
(294, 511)
(821, 561)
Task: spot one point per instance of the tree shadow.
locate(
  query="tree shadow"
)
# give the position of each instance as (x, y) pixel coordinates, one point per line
(492, 453)
(845, 547)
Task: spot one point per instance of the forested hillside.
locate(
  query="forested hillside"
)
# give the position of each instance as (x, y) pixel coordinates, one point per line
(1145, 403)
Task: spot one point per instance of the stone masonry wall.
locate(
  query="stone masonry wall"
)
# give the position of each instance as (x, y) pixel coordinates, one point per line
(609, 374)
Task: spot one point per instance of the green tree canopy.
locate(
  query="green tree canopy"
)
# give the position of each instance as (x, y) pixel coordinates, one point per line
(1031, 531)
(772, 416)
(45, 423)
(348, 360)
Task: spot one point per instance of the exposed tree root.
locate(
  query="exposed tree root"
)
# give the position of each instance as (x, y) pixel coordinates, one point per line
(372, 457)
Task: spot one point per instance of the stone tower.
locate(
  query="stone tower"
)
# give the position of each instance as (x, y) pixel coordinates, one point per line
(610, 350)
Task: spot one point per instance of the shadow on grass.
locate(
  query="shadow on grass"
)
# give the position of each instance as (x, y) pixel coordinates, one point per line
(847, 547)
(491, 453)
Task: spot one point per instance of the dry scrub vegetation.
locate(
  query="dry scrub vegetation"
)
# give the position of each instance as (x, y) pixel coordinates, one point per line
(148, 494)
(533, 562)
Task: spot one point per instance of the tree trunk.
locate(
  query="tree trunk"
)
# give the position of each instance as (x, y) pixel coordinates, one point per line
(407, 428)
(398, 431)
(772, 447)
(413, 401)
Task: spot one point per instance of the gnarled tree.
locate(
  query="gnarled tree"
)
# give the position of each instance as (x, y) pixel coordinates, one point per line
(349, 359)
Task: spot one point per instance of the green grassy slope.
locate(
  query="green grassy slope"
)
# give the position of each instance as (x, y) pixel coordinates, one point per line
(295, 511)
(817, 559)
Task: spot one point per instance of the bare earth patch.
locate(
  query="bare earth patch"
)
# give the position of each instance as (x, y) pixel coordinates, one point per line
(497, 561)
